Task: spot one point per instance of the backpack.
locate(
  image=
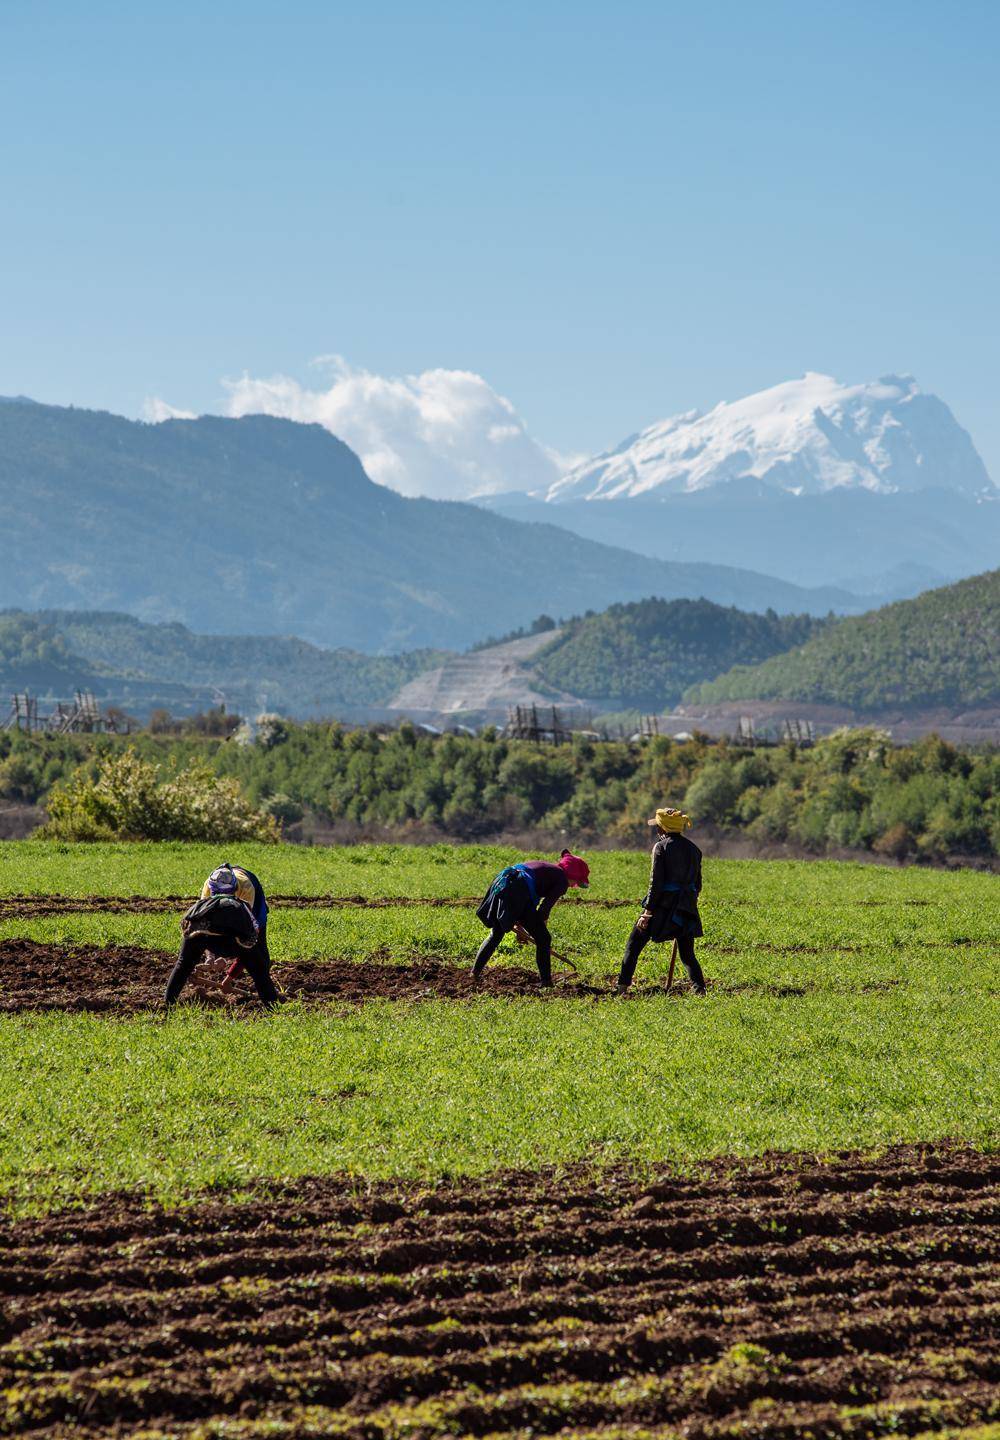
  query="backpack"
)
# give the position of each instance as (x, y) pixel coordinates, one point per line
(224, 917)
(507, 899)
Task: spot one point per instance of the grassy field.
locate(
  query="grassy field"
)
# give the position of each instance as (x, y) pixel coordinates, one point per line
(850, 1006)
(498, 1213)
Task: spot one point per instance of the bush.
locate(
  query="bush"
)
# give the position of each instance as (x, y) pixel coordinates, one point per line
(19, 780)
(128, 800)
(896, 842)
(714, 794)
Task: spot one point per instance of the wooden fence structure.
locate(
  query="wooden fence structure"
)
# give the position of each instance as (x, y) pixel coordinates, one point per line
(80, 716)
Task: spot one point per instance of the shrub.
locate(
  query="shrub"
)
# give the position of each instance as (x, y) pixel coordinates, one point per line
(19, 780)
(897, 842)
(714, 794)
(128, 799)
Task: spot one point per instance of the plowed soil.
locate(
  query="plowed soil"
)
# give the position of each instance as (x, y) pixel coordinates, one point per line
(124, 980)
(855, 1297)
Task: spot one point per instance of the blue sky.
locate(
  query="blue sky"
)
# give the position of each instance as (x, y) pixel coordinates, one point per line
(612, 212)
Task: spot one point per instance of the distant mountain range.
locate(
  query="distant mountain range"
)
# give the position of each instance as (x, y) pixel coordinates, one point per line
(266, 526)
(929, 659)
(634, 654)
(932, 663)
(875, 488)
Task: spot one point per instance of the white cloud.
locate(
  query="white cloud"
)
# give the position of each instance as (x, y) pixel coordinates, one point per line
(444, 433)
(154, 409)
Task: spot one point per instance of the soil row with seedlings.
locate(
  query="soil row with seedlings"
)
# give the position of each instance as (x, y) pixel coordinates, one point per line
(853, 1296)
(24, 907)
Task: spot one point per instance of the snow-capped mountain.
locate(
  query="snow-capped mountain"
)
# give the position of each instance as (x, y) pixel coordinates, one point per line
(805, 437)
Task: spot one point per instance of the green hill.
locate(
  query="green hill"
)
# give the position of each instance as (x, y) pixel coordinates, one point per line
(34, 657)
(645, 654)
(942, 648)
(140, 667)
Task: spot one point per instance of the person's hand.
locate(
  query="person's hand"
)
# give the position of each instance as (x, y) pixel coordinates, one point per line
(523, 938)
(643, 921)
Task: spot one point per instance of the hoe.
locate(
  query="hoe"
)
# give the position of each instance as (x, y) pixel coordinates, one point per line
(673, 962)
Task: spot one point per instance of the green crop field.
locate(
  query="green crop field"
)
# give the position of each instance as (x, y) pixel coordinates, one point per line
(850, 1006)
(396, 1208)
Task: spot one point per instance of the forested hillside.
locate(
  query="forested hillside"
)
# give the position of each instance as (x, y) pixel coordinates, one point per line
(33, 655)
(137, 666)
(647, 653)
(942, 648)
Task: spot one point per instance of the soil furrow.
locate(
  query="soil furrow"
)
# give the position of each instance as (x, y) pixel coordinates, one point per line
(28, 906)
(24, 906)
(850, 1295)
(722, 1255)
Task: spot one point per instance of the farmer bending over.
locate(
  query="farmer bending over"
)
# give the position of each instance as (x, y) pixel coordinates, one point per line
(229, 921)
(521, 899)
(670, 909)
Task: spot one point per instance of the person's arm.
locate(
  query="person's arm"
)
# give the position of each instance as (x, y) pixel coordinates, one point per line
(657, 878)
(697, 876)
(545, 908)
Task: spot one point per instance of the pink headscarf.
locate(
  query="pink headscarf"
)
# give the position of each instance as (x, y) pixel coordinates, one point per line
(577, 870)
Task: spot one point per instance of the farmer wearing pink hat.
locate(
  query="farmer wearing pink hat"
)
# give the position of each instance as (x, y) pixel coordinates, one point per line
(670, 909)
(521, 899)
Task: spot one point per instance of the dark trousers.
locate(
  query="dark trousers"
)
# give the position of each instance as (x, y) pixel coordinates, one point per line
(257, 963)
(536, 928)
(638, 941)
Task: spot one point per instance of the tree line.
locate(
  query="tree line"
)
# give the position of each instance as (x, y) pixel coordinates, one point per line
(853, 790)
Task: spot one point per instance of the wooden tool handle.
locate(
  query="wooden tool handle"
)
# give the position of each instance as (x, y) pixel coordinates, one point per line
(673, 959)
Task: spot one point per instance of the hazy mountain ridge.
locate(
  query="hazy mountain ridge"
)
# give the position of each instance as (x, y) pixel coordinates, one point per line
(887, 547)
(266, 526)
(940, 650)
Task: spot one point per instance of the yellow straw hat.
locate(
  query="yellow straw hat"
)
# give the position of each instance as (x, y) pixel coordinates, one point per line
(673, 821)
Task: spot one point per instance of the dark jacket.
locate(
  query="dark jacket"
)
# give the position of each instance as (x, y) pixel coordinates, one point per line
(510, 898)
(674, 887)
(551, 884)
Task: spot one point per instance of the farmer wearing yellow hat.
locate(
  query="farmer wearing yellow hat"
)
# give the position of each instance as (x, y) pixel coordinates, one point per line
(670, 909)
